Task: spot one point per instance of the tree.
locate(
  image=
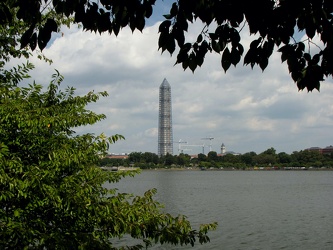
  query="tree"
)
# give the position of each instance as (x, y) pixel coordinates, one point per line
(274, 24)
(307, 157)
(149, 157)
(230, 158)
(264, 159)
(135, 157)
(269, 151)
(169, 159)
(13, 32)
(247, 158)
(183, 159)
(105, 161)
(51, 189)
(202, 157)
(212, 156)
(284, 157)
(267, 157)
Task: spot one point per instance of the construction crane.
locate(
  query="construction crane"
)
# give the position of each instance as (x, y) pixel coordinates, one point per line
(210, 142)
(188, 145)
(180, 150)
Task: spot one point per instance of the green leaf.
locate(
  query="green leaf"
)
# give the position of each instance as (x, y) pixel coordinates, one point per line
(263, 63)
(162, 41)
(255, 43)
(25, 39)
(192, 63)
(171, 45)
(185, 64)
(292, 64)
(315, 59)
(284, 57)
(240, 49)
(43, 38)
(167, 16)
(250, 57)
(234, 36)
(199, 38)
(116, 28)
(174, 10)
(307, 57)
(222, 44)
(235, 56)
(296, 75)
(33, 41)
(199, 60)
(164, 26)
(103, 22)
(310, 28)
(17, 213)
(216, 46)
(51, 25)
(5, 14)
(178, 34)
(182, 56)
(140, 24)
(149, 11)
(226, 59)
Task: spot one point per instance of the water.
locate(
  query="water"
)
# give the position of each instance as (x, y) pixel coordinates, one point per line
(254, 209)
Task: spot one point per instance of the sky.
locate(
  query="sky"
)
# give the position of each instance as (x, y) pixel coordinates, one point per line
(247, 110)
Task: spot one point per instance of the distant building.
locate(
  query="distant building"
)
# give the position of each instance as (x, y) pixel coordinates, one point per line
(327, 150)
(225, 152)
(165, 136)
(232, 153)
(114, 156)
(223, 149)
(315, 149)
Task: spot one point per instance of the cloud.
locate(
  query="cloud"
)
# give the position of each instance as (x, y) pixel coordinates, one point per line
(245, 109)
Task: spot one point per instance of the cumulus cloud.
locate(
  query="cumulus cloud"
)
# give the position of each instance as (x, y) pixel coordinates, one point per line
(245, 109)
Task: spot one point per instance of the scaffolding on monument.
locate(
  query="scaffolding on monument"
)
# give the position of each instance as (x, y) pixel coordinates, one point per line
(165, 136)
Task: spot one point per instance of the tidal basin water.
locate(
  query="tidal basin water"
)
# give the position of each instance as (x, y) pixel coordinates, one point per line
(254, 209)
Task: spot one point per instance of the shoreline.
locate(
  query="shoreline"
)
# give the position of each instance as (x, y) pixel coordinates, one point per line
(228, 169)
(121, 168)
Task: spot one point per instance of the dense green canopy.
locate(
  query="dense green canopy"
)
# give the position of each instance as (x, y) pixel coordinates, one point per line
(52, 193)
(51, 189)
(274, 22)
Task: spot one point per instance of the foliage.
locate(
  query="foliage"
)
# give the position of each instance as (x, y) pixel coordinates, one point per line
(284, 157)
(274, 24)
(266, 159)
(147, 157)
(51, 190)
(13, 33)
(247, 158)
(212, 156)
(183, 159)
(52, 193)
(270, 151)
(10, 35)
(230, 158)
(202, 157)
(9, 48)
(305, 157)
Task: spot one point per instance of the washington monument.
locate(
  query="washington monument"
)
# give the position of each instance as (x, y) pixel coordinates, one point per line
(165, 138)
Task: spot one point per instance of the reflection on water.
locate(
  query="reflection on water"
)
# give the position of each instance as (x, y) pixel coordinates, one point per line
(255, 210)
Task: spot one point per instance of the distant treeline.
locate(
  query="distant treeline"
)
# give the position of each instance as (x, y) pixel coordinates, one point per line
(267, 159)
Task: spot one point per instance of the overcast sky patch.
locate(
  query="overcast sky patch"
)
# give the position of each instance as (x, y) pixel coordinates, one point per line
(245, 109)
